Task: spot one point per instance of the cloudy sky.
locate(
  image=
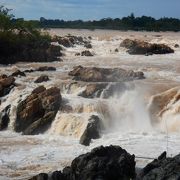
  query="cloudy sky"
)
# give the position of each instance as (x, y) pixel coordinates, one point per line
(91, 9)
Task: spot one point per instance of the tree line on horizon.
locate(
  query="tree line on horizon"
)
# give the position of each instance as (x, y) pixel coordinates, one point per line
(143, 23)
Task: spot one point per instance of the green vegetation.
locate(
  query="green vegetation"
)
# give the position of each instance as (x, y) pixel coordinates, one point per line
(126, 23)
(21, 40)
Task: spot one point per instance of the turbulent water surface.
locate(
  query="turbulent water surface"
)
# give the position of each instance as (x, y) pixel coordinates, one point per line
(127, 115)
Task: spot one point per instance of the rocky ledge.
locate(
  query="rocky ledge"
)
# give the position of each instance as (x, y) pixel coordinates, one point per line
(38, 110)
(93, 74)
(142, 47)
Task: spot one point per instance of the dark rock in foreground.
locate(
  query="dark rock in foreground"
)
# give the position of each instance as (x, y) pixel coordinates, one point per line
(38, 110)
(102, 163)
(42, 78)
(162, 168)
(144, 48)
(93, 74)
(92, 131)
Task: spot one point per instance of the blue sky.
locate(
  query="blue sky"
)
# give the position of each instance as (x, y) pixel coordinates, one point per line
(91, 9)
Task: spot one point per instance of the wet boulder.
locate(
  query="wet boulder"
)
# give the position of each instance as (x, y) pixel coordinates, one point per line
(161, 168)
(116, 50)
(92, 130)
(18, 73)
(86, 53)
(46, 68)
(28, 70)
(93, 90)
(38, 110)
(88, 46)
(94, 74)
(176, 45)
(68, 41)
(6, 84)
(4, 117)
(102, 163)
(77, 54)
(42, 78)
(142, 48)
(108, 163)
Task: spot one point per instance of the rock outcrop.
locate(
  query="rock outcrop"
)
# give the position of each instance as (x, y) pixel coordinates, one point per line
(86, 53)
(6, 84)
(69, 41)
(161, 168)
(88, 46)
(42, 78)
(46, 68)
(18, 73)
(38, 110)
(102, 163)
(103, 90)
(92, 130)
(142, 47)
(165, 103)
(93, 90)
(93, 74)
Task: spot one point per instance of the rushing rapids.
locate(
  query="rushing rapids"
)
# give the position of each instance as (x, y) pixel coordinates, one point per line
(140, 112)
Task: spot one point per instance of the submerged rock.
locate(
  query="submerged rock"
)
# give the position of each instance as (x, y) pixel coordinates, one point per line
(42, 78)
(93, 74)
(142, 47)
(92, 130)
(38, 110)
(161, 169)
(102, 163)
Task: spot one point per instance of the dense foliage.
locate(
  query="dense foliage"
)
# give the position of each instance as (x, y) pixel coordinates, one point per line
(126, 23)
(21, 40)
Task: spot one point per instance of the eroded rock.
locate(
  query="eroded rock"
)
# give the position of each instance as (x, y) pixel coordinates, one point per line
(102, 163)
(86, 53)
(161, 168)
(38, 110)
(42, 78)
(92, 130)
(18, 73)
(46, 68)
(93, 74)
(142, 47)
